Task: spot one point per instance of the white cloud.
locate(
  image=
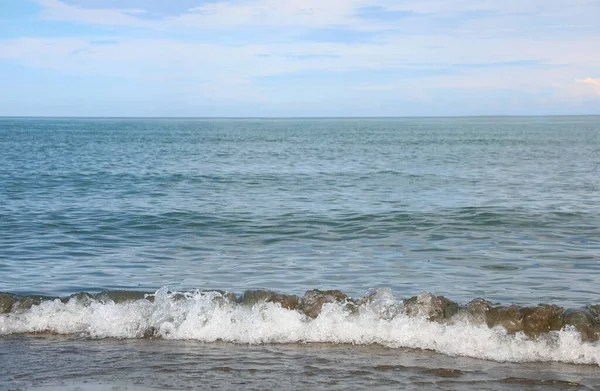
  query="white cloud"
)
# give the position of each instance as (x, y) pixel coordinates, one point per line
(437, 51)
(560, 60)
(218, 15)
(472, 16)
(305, 13)
(455, 7)
(593, 84)
(57, 10)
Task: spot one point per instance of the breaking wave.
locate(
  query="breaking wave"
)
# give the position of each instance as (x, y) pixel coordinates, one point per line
(477, 329)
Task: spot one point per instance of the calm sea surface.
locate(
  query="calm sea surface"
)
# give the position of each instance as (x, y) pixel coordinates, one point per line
(507, 209)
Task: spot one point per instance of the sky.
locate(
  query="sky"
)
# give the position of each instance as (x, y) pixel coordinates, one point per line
(296, 58)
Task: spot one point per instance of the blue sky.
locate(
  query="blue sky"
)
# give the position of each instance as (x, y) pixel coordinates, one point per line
(299, 57)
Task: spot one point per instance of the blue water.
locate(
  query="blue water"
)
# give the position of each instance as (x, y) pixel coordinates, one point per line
(502, 208)
(507, 209)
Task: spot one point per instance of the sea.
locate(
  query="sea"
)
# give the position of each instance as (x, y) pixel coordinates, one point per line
(454, 253)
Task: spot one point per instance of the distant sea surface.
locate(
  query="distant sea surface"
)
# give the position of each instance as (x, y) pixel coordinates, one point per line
(168, 215)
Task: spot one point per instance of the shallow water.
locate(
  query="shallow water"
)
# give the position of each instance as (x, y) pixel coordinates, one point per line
(502, 208)
(141, 364)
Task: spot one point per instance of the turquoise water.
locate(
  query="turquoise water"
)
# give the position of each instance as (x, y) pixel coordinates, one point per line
(507, 209)
(503, 208)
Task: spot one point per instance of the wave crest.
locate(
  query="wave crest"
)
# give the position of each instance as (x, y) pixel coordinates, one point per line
(477, 329)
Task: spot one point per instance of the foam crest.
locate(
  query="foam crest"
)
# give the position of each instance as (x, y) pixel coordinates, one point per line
(378, 318)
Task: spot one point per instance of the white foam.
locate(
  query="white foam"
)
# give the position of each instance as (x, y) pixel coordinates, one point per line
(200, 317)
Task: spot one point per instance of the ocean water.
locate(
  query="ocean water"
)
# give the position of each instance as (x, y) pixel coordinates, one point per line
(166, 223)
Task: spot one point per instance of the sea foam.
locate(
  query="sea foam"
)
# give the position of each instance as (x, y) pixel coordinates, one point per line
(213, 316)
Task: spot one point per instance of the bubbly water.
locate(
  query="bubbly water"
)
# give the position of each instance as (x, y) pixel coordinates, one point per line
(163, 212)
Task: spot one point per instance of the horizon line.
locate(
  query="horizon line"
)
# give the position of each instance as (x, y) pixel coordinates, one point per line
(298, 117)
